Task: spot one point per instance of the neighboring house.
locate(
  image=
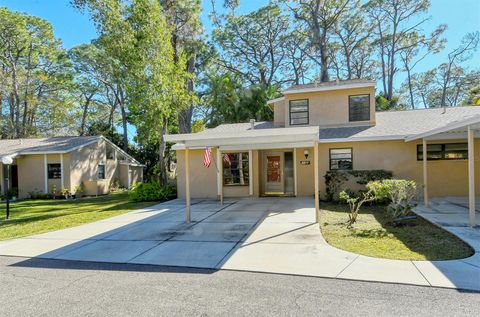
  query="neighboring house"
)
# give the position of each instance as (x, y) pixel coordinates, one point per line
(42, 165)
(331, 126)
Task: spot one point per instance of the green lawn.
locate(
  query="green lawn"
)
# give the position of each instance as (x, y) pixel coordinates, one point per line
(375, 235)
(36, 216)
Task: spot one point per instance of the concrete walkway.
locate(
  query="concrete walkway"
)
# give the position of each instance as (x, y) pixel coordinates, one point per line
(275, 235)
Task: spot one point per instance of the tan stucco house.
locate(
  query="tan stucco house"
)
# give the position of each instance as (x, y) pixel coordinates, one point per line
(328, 126)
(42, 165)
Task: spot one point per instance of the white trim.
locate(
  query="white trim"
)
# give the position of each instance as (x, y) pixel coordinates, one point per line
(329, 88)
(62, 178)
(219, 172)
(275, 100)
(425, 171)
(131, 164)
(187, 186)
(119, 149)
(45, 163)
(449, 127)
(364, 139)
(471, 177)
(272, 146)
(250, 172)
(295, 172)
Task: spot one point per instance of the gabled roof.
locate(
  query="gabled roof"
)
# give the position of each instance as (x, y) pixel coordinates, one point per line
(398, 125)
(390, 125)
(52, 145)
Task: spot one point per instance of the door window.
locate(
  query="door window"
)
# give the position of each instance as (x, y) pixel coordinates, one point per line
(273, 169)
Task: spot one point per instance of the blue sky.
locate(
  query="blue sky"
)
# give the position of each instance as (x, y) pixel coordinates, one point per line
(74, 28)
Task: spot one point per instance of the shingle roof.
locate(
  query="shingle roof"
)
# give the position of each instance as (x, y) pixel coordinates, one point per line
(389, 124)
(42, 145)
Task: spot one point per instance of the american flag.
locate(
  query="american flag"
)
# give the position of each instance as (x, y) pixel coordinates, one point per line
(207, 157)
(226, 159)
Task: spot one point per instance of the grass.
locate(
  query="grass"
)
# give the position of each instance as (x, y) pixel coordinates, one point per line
(37, 216)
(375, 235)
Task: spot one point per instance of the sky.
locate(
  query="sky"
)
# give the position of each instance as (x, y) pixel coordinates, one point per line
(74, 28)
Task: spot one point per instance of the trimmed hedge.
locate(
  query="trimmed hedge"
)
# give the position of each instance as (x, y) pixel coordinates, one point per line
(151, 191)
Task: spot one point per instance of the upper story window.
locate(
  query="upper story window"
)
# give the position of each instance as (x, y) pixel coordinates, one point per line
(449, 151)
(299, 112)
(359, 108)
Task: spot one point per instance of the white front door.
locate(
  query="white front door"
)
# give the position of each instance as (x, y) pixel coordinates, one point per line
(273, 166)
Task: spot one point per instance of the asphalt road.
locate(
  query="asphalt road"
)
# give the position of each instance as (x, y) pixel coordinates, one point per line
(35, 287)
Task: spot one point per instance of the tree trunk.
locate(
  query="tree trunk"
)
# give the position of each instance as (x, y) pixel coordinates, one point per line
(410, 88)
(185, 116)
(84, 114)
(162, 160)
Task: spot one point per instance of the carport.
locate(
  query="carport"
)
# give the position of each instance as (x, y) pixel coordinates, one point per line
(253, 139)
(467, 129)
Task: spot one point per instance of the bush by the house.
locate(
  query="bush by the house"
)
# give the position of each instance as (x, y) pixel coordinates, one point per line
(151, 191)
(40, 195)
(335, 180)
(399, 192)
(355, 203)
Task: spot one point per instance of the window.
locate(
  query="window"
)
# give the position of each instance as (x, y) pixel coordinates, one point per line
(54, 171)
(298, 112)
(341, 159)
(110, 153)
(101, 171)
(359, 108)
(235, 169)
(449, 151)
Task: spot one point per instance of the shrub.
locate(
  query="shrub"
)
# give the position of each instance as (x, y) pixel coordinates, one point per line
(399, 192)
(151, 191)
(355, 203)
(334, 180)
(39, 195)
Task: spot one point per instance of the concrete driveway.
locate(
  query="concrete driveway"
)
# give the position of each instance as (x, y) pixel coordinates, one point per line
(275, 235)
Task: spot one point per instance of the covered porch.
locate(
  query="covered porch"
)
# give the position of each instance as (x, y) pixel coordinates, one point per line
(460, 131)
(267, 162)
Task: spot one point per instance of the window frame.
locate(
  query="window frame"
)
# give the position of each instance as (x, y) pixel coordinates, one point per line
(51, 176)
(442, 151)
(290, 111)
(247, 183)
(330, 158)
(104, 171)
(350, 110)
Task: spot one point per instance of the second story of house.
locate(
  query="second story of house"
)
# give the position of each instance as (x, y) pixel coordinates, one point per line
(328, 104)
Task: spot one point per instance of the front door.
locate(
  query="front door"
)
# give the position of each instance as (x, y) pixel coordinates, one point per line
(273, 173)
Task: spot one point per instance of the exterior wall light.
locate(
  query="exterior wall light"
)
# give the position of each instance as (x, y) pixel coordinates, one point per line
(306, 153)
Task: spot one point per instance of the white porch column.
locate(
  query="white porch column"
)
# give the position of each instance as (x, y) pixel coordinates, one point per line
(219, 175)
(315, 171)
(187, 185)
(250, 172)
(62, 178)
(45, 164)
(425, 173)
(471, 177)
(295, 172)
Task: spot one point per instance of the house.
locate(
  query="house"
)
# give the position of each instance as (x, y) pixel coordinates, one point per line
(44, 165)
(331, 126)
